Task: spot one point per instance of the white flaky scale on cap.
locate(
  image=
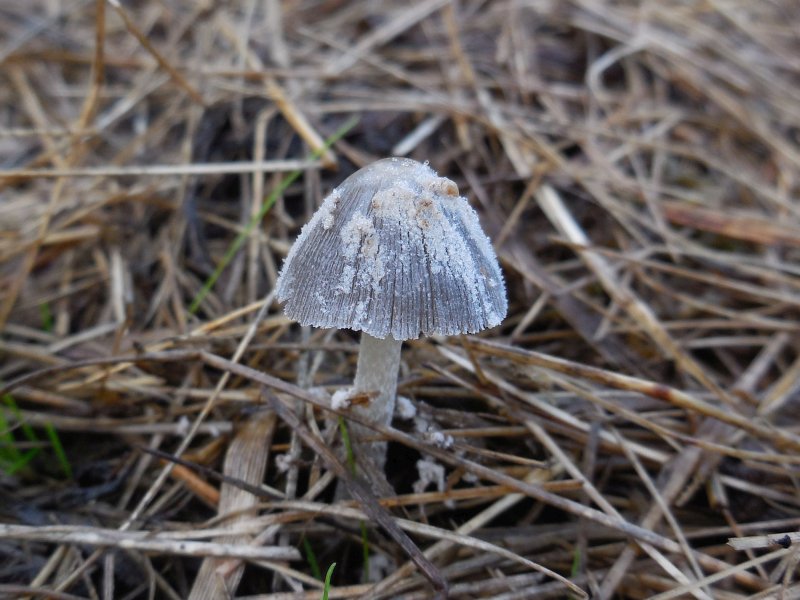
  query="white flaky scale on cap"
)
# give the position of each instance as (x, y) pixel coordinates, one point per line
(396, 253)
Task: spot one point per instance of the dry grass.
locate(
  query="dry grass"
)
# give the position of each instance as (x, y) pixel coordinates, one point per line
(637, 165)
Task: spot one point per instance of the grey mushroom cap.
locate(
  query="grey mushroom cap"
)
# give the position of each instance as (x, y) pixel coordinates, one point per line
(394, 251)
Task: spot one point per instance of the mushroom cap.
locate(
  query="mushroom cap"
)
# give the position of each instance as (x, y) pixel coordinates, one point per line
(394, 251)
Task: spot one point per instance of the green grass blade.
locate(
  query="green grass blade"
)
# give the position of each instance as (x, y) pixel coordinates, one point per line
(240, 239)
(576, 563)
(27, 430)
(351, 464)
(312, 559)
(12, 466)
(326, 590)
(46, 316)
(58, 449)
(364, 551)
(11, 459)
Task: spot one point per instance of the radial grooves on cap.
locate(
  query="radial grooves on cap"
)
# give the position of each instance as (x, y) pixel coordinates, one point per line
(393, 251)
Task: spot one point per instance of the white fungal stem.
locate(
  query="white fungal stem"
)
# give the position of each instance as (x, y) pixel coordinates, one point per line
(376, 375)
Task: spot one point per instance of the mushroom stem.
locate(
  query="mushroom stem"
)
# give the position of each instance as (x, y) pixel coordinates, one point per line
(376, 375)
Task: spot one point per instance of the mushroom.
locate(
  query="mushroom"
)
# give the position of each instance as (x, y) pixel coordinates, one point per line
(395, 253)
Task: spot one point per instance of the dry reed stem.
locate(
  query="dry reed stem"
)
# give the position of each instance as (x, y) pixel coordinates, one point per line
(246, 460)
